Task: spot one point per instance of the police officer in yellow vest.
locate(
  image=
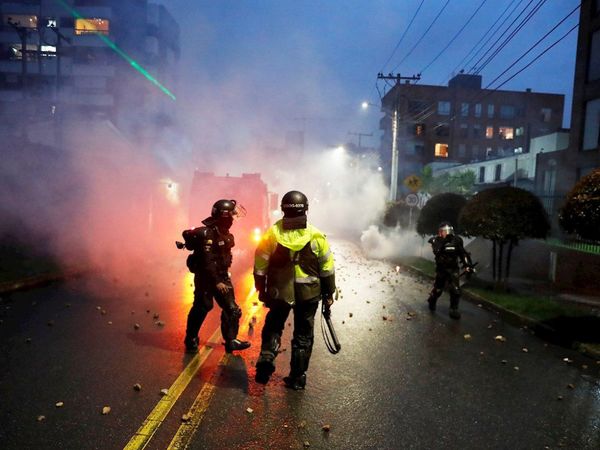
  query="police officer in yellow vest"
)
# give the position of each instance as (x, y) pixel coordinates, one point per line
(293, 269)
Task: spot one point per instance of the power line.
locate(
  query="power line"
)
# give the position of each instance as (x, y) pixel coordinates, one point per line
(509, 38)
(535, 59)
(466, 64)
(403, 34)
(454, 38)
(424, 34)
(535, 45)
(482, 38)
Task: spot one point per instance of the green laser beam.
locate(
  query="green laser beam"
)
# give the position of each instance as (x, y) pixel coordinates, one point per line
(121, 53)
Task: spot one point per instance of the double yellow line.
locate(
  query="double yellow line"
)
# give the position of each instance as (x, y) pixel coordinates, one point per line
(154, 420)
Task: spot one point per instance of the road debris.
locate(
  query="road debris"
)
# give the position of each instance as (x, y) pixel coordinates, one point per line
(186, 417)
(249, 410)
(137, 387)
(59, 404)
(105, 410)
(500, 338)
(164, 392)
(41, 418)
(136, 326)
(326, 427)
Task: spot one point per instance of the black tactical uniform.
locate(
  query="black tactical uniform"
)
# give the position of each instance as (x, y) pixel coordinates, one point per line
(448, 250)
(210, 262)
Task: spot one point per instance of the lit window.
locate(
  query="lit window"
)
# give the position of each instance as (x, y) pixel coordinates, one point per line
(441, 150)
(490, 111)
(489, 132)
(419, 129)
(21, 20)
(15, 52)
(478, 110)
(546, 114)
(444, 108)
(464, 109)
(48, 50)
(92, 25)
(506, 132)
(519, 131)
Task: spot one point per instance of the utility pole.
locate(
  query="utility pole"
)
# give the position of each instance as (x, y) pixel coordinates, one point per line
(394, 168)
(360, 135)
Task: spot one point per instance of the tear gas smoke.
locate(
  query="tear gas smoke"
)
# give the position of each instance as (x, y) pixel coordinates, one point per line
(392, 243)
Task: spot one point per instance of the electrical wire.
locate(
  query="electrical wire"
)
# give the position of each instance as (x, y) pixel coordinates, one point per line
(454, 38)
(535, 45)
(403, 35)
(423, 35)
(460, 64)
(519, 27)
(535, 59)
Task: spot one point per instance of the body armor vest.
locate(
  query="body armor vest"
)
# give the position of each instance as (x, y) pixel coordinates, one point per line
(282, 283)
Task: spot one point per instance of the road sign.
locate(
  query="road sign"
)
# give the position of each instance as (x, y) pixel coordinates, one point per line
(413, 182)
(412, 200)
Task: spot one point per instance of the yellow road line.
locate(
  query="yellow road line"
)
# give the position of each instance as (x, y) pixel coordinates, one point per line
(187, 430)
(155, 418)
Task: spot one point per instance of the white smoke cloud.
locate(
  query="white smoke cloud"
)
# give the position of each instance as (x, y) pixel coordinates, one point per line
(390, 243)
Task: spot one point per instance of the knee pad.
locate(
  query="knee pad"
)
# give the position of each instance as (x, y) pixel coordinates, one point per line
(302, 342)
(234, 313)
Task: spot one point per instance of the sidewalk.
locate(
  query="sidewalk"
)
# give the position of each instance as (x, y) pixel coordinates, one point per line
(556, 329)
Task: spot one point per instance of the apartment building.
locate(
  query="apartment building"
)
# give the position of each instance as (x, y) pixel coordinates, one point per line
(86, 59)
(462, 122)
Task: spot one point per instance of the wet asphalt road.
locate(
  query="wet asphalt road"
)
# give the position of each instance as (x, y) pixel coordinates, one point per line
(411, 380)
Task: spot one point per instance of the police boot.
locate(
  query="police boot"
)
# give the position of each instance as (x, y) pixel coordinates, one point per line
(236, 344)
(431, 301)
(191, 344)
(454, 313)
(299, 363)
(265, 366)
(296, 383)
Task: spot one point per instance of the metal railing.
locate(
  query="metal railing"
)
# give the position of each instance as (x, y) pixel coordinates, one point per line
(580, 246)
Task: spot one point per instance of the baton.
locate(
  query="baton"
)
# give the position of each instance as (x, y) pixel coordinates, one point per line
(329, 336)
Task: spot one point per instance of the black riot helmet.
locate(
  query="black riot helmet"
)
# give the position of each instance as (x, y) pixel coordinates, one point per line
(445, 229)
(224, 209)
(294, 203)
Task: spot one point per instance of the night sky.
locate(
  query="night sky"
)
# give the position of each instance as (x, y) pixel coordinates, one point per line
(251, 71)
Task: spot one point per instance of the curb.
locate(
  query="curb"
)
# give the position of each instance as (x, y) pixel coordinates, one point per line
(542, 330)
(23, 284)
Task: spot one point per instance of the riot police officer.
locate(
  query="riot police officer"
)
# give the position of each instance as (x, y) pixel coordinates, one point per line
(210, 262)
(293, 270)
(448, 250)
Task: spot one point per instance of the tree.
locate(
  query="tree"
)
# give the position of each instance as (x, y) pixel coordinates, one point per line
(439, 208)
(504, 215)
(459, 183)
(581, 212)
(399, 214)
